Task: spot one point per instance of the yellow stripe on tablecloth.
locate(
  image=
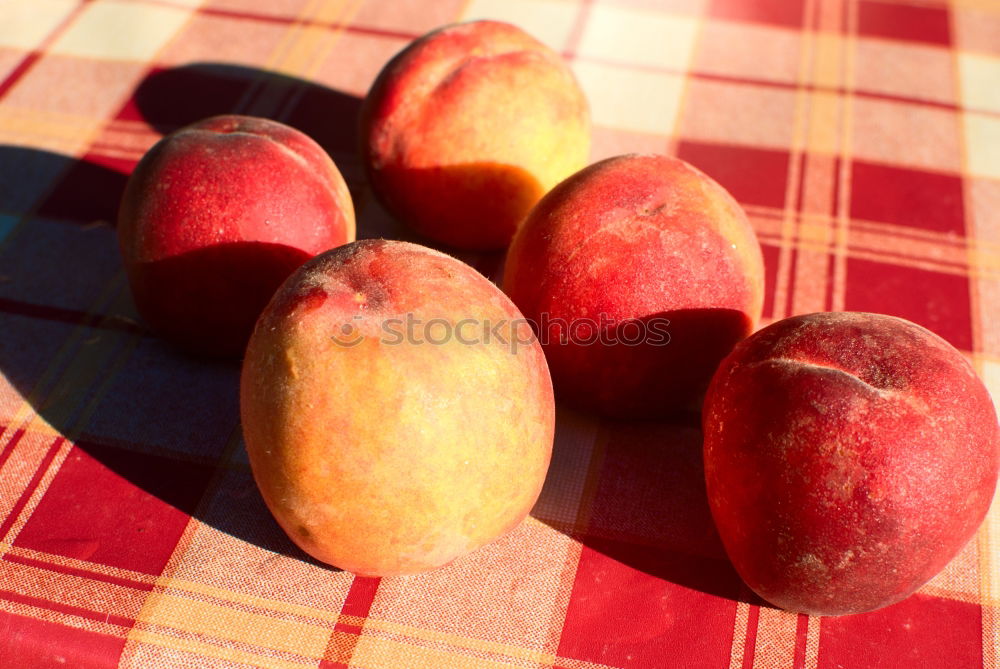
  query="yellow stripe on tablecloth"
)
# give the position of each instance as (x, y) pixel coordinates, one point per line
(988, 549)
(73, 563)
(636, 37)
(812, 643)
(892, 230)
(226, 623)
(784, 281)
(982, 256)
(70, 589)
(270, 98)
(318, 617)
(814, 239)
(453, 640)
(61, 618)
(300, 53)
(982, 139)
(379, 653)
(203, 649)
(685, 84)
(824, 118)
(980, 157)
(981, 5)
(739, 635)
(828, 63)
(65, 133)
(655, 98)
(848, 49)
(570, 663)
(343, 17)
(891, 244)
(978, 75)
(240, 598)
(560, 501)
(775, 643)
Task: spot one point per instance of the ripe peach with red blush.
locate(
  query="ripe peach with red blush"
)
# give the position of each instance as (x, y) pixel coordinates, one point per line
(465, 129)
(216, 215)
(641, 273)
(848, 458)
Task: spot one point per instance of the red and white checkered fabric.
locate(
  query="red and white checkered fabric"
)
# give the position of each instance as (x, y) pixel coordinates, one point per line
(862, 136)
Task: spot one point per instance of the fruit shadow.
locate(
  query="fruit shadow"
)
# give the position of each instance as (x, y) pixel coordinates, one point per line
(157, 419)
(170, 98)
(641, 498)
(495, 195)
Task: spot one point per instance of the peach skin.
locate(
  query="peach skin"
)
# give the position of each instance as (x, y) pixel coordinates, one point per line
(216, 215)
(848, 458)
(640, 273)
(397, 411)
(465, 129)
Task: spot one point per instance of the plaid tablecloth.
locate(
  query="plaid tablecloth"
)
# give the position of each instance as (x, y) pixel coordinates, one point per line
(862, 136)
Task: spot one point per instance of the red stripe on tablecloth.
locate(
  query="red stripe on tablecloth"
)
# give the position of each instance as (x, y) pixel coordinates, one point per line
(907, 22)
(26, 643)
(71, 316)
(360, 597)
(667, 613)
(30, 488)
(32, 57)
(801, 634)
(74, 571)
(920, 632)
(751, 641)
(135, 507)
(9, 448)
(80, 612)
(344, 638)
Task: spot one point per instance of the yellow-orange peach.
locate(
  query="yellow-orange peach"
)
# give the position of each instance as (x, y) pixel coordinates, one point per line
(396, 409)
(465, 129)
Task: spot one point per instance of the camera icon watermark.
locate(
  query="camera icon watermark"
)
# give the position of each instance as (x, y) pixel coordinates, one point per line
(515, 333)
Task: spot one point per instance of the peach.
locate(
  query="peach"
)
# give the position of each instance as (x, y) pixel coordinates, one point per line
(216, 215)
(397, 410)
(640, 273)
(848, 458)
(465, 129)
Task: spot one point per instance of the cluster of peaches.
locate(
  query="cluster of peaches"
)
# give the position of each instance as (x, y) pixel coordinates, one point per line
(848, 456)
